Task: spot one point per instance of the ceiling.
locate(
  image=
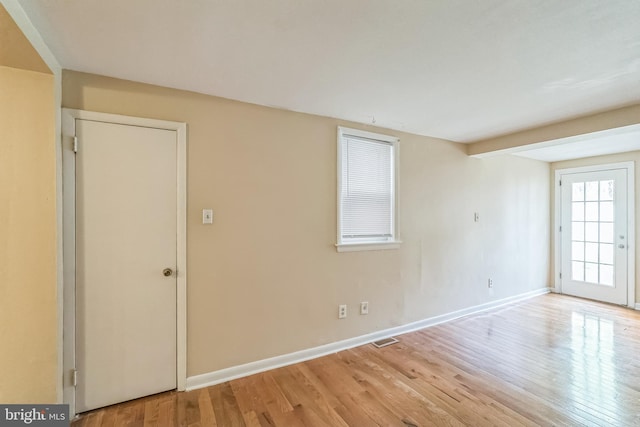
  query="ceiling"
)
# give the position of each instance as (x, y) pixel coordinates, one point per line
(455, 69)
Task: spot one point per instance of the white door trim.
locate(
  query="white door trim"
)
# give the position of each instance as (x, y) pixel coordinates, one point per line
(631, 221)
(69, 117)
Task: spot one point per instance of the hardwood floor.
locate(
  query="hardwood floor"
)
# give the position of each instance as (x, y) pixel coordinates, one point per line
(550, 361)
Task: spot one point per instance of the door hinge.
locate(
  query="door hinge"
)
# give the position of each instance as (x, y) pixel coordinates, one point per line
(560, 183)
(74, 377)
(561, 229)
(75, 144)
(561, 275)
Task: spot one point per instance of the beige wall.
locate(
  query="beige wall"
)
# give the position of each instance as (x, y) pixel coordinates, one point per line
(266, 279)
(28, 323)
(15, 49)
(633, 156)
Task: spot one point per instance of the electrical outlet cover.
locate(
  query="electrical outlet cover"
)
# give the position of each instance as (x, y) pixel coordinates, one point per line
(342, 311)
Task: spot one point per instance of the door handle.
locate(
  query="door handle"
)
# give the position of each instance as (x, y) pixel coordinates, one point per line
(167, 272)
(621, 246)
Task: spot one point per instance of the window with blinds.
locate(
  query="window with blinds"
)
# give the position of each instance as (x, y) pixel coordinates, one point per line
(366, 188)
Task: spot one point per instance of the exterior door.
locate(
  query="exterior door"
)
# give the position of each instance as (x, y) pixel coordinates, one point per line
(126, 236)
(594, 235)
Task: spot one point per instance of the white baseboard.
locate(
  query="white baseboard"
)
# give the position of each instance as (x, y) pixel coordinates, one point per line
(638, 306)
(228, 374)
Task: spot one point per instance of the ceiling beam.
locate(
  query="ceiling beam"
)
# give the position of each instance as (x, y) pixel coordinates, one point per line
(557, 133)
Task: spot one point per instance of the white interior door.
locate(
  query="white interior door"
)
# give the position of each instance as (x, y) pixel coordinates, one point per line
(125, 237)
(594, 235)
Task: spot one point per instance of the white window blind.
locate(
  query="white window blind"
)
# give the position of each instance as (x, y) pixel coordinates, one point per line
(367, 189)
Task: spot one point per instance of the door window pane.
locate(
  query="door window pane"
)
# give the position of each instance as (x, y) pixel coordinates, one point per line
(590, 272)
(606, 190)
(606, 253)
(577, 251)
(577, 271)
(577, 231)
(577, 211)
(591, 211)
(591, 191)
(606, 211)
(591, 252)
(606, 232)
(577, 192)
(591, 231)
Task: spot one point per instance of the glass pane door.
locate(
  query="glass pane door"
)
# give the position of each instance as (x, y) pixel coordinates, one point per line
(594, 235)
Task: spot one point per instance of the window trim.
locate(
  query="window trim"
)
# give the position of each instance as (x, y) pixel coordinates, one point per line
(368, 244)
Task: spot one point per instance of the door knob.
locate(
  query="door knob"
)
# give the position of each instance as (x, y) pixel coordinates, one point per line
(621, 246)
(167, 272)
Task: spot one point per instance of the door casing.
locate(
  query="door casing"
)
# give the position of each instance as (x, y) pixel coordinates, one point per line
(631, 236)
(69, 117)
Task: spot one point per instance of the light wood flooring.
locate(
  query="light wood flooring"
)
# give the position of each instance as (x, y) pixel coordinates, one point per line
(551, 361)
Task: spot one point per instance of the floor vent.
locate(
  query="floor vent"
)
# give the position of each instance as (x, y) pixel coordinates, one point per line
(384, 342)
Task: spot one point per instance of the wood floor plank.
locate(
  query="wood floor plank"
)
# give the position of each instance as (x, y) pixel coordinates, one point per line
(403, 400)
(151, 412)
(300, 390)
(207, 415)
(249, 403)
(552, 360)
(225, 406)
(430, 373)
(476, 365)
(167, 410)
(441, 401)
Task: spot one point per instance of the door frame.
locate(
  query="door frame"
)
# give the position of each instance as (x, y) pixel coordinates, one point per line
(631, 221)
(69, 117)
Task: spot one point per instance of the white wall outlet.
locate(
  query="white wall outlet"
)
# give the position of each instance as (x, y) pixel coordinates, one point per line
(490, 283)
(207, 216)
(364, 307)
(476, 217)
(342, 311)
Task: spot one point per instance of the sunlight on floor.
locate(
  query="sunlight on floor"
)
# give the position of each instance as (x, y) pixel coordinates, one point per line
(593, 367)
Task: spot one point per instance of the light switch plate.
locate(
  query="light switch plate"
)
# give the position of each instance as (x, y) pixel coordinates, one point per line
(207, 216)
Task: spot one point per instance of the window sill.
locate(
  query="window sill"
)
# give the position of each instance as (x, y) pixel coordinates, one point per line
(377, 246)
